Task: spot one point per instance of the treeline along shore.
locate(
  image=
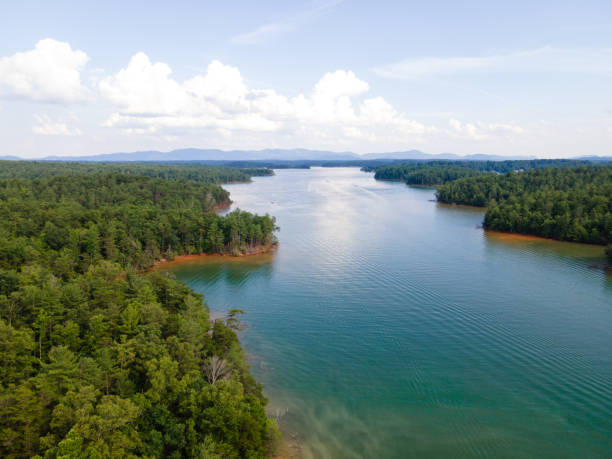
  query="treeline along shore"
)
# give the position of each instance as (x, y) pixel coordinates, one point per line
(433, 173)
(567, 200)
(171, 171)
(100, 359)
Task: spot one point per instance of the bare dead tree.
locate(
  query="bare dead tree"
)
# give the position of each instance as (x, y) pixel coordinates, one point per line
(233, 320)
(216, 369)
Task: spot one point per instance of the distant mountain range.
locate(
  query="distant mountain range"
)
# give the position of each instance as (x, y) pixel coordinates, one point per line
(595, 158)
(195, 154)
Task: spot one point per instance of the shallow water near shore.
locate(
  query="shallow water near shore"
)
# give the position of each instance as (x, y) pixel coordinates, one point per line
(387, 325)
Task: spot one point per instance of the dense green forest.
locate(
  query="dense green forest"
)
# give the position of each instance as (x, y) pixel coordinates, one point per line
(439, 172)
(424, 174)
(173, 171)
(101, 360)
(570, 204)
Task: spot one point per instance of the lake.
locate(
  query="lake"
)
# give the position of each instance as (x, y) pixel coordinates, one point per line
(388, 325)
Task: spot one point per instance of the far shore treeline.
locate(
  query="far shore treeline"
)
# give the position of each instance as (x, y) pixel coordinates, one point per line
(171, 171)
(100, 359)
(432, 173)
(568, 200)
(568, 204)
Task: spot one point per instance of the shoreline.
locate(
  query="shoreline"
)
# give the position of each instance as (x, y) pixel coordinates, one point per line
(526, 237)
(195, 256)
(509, 238)
(416, 185)
(465, 206)
(509, 234)
(288, 447)
(533, 237)
(222, 206)
(235, 182)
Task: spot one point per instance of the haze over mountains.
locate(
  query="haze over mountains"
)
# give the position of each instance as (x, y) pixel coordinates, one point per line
(196, 154)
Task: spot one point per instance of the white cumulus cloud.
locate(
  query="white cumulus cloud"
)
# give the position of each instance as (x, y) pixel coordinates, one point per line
(51, 72)
(46, 126)
(145, 88)
(481, 130)
(149, 100)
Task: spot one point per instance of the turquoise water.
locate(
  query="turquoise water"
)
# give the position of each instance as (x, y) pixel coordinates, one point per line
(387, 325)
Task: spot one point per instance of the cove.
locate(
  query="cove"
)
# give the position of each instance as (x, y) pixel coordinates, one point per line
(387, 325)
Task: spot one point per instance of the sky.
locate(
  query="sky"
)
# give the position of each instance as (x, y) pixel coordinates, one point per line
(513, 78)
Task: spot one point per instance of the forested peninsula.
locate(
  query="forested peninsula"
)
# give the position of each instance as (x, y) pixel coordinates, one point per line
(567, 200)
(433, 173)
(99, 359)
(568, 204)
(171, 171)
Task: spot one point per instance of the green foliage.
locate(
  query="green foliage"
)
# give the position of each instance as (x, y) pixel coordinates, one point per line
(97, 360)
(439, 172)
(69, 222)
(177, 171)
(570, 204)
(424, 174)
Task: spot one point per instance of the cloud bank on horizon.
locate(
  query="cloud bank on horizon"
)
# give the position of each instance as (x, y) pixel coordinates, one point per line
(148, 100)
(72, 104)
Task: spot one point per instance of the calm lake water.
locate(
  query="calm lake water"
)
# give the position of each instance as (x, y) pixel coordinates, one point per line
(387, 325)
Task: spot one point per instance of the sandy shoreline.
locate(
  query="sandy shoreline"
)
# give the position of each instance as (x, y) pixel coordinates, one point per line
(521, 237)
(288, 448)
(223, 206)
(506, 235)
(196, 256)
(531, 237)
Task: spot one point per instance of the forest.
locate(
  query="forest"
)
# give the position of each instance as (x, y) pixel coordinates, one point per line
(100, 359)
(171, 171)
(569, 204)
(424, 174)
(433, 173)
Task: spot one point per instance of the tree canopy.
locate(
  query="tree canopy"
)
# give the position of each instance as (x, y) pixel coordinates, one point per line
(439, 172)
(570, 204)
(174, 171)
(102, 360)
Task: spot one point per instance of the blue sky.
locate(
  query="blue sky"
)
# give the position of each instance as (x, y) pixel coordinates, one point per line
(507, 78)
